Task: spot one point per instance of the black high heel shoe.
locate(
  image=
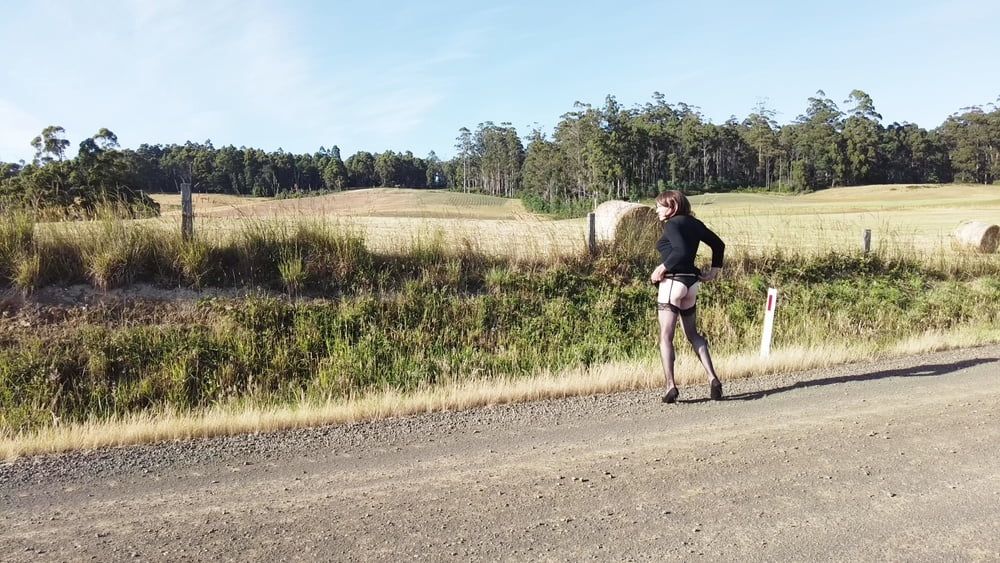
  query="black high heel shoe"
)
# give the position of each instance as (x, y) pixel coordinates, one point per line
(671, 396)
(715, 390)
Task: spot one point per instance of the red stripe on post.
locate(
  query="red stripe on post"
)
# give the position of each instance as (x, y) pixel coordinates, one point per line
(770, 302)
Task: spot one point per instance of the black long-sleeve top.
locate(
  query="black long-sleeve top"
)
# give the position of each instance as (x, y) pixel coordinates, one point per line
(678, 244)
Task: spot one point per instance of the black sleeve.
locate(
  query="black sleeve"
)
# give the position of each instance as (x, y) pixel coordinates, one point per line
(715, 243)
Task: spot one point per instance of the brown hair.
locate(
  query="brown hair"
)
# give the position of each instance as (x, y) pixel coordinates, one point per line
(673, 199)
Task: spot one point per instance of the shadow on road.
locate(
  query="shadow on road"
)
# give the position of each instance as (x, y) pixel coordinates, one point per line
(915, 371)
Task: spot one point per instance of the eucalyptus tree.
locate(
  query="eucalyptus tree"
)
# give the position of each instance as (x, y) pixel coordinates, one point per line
(862, 133)
(897, 154)
(545, 173)
(50, 145)
(335, 176)
(973, 139)
(147, 162)
(9, 170)
(413, 171)
(282, 166)
(578, 133)
(254, 161)
(307, 173)
(993, 145)
(655, 137)
(819, 143)
(227, 171)
(690, 163)
(105, 139)
(100, 167)
(389, 169)
(500, 154)
(761, 132)
(51, 185)
(709, 145)
(735, 159)
(191, 163)
(465, 156)
(361, 169)
(435, 175)
(612, 155)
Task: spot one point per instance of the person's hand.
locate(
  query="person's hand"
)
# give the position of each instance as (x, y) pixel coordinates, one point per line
(710, 275)
(658, 274)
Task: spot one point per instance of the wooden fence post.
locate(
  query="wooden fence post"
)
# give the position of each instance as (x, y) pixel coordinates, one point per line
(866, 241)
(187, 213)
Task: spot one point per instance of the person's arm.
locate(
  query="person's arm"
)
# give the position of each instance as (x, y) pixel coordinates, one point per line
(718, 252)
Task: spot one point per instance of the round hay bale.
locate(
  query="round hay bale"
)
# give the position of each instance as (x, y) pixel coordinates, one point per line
(618, 222)
(978, 236)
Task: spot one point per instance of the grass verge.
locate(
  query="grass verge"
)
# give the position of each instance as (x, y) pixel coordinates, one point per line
(152, 427)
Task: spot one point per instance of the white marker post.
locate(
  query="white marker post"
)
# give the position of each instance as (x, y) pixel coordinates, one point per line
(772, 304)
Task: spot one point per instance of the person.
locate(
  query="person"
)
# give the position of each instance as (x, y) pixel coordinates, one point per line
(678, 280)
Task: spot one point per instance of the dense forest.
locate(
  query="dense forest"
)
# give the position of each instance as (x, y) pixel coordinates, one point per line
(593, 153)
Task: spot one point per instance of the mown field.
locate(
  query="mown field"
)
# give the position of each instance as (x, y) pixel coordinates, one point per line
(903, 218)
(384, 302)
(390, 219)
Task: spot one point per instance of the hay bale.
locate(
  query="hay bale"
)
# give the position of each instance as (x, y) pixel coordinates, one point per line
(978, 236)
(618, 222)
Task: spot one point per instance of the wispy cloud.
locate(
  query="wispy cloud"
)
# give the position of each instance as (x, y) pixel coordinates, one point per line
(244, 64)
(255, 72)
(235, 59)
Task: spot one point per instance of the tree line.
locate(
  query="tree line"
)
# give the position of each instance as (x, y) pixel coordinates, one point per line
(599, 153)
(102, 171)
(614, 152)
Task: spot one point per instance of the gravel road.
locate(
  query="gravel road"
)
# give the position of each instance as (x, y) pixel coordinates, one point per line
(897, 460)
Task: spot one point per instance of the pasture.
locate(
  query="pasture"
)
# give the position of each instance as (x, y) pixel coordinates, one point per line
(392, 219)
(903, 218)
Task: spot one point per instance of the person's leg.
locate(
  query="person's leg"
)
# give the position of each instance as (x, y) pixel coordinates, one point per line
(668, 320)
(670, 294)
(698, 342)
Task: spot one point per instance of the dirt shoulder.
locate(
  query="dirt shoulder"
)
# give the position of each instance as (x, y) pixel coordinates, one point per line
(889, 461)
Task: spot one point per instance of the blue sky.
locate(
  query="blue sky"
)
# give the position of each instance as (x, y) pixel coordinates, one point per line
(382, 75)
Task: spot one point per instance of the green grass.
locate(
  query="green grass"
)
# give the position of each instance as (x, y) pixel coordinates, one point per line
(443, 319)
(336, 317)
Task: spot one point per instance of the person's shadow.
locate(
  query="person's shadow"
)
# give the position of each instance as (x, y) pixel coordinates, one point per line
(915, 371)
